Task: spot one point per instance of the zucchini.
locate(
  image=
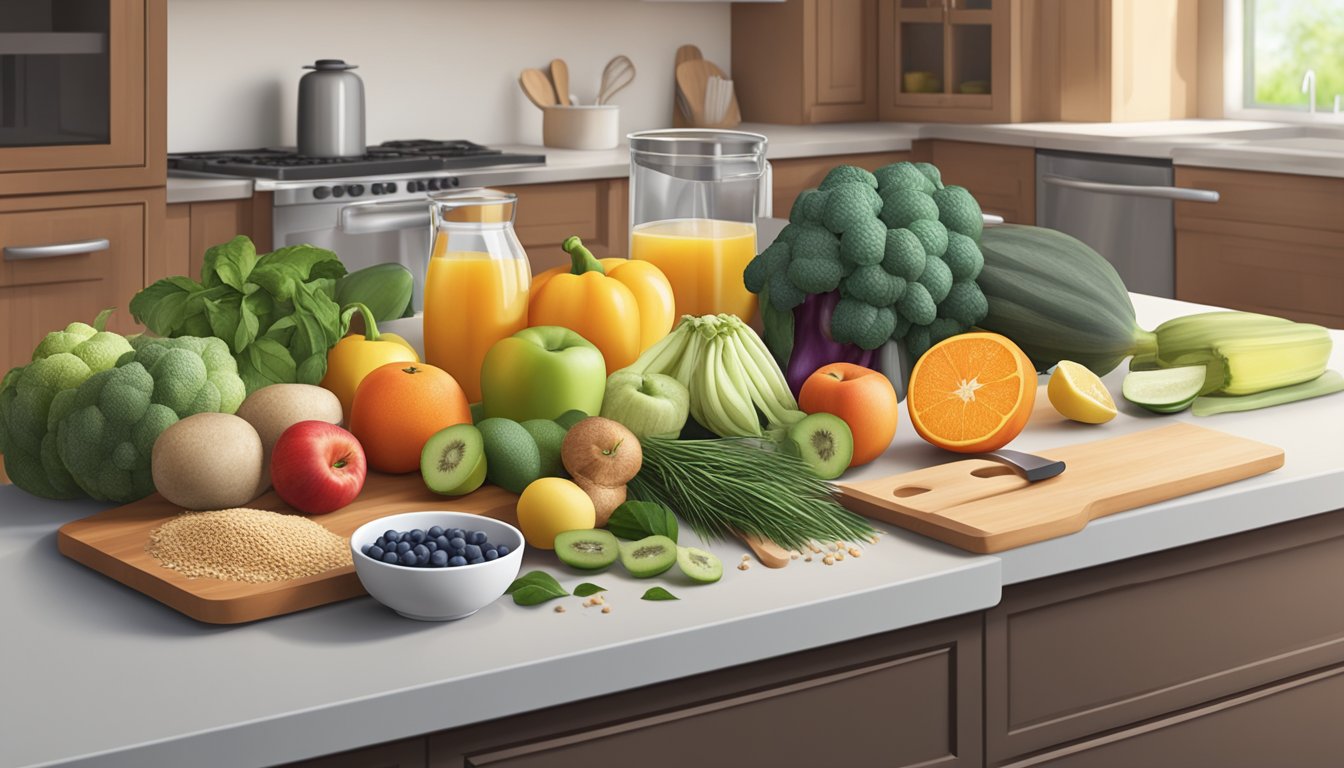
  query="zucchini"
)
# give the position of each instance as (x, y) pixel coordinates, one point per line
(384, 288)
(1169, 390)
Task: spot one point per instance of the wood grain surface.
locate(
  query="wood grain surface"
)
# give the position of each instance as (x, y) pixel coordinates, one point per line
(984, 506)
(113, 542)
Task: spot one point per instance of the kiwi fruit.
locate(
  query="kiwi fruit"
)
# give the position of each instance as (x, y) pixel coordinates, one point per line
(570, 418)
(549, 435)
(649, 556)
(699, 565)
(512, 459)
(453, 460)
(588, 550)
(823, 441)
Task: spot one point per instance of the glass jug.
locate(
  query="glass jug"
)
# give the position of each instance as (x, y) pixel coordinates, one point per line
(693, 202)
(476, 283)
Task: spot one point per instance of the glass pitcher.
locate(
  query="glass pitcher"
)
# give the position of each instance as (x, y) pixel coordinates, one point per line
(693, 202)
(476, 283)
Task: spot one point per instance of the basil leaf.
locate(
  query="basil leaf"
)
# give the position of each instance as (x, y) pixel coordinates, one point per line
(585, 589)
(311, 369)
(224, 317)
(265, 362)
(535, 587)
(162, 306)
(229, 263)
(658, 593)
(637, 519)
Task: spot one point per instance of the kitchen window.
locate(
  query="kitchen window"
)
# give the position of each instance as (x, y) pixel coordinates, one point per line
(1271, 45)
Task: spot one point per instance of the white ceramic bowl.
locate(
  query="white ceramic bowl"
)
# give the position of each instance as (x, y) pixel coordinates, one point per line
(581, 126)
(437, 594)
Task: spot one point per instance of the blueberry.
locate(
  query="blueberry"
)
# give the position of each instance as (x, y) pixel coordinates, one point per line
(457, 542)
(430, 545)
(390, 557)
(435, 532)
(502, 549)
(487, 547)
(476, 561)
(380, 541)
(458, 551)
(477, 537)
(456, 533)
(439, 558)
(454, 562)
(442, 541)
(365, 549)
(418, 536)
(403, 546)
(407, 558)
(375, 551)
(420, 550)
(473, 552)
(490, 554)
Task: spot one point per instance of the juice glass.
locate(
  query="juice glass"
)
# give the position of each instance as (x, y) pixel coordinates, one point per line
(476, 284)
(694, 195)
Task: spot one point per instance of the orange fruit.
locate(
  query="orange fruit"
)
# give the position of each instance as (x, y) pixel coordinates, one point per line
(862, 397)
(398, 407)
(971, 393)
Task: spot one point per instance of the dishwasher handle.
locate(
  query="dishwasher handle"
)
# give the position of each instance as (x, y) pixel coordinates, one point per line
(1134, 190)
(57, 250)
(377, 218)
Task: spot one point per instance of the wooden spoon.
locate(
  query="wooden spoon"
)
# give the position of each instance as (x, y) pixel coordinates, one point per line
(560, 76)
(768, 552)
(538, 87)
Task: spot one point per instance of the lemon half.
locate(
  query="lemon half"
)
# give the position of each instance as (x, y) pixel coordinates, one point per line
(1078, 394)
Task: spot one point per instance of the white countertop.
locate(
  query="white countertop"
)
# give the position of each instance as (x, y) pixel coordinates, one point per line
(1220, 143)
(96, 673)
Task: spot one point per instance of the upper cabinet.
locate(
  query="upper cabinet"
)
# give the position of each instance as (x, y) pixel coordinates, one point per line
(82, 86)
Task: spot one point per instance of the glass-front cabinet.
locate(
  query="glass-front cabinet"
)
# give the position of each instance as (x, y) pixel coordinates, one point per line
(73, 81)
(946, 60)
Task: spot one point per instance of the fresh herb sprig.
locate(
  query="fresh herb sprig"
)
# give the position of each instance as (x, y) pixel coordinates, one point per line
(726, 485)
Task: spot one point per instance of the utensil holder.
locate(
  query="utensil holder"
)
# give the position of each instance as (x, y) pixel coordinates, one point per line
(586, 126)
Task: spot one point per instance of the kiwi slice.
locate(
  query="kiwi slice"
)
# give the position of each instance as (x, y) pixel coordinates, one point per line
(512, 459)
(453, 460)
(570, 418)
(649, 556)
(699, 565)
(824, 442)
(590, 550)
(549, 435)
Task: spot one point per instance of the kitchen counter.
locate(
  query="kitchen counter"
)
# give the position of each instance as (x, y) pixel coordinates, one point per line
(96, 673)
(182, 189)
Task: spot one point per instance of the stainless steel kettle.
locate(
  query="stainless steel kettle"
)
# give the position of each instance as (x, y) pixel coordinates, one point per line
(331, 110)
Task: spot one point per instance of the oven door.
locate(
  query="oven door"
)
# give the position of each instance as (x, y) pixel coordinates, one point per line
(363, 234)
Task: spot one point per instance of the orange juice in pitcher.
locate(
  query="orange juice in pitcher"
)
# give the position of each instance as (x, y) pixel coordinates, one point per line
(703, 260)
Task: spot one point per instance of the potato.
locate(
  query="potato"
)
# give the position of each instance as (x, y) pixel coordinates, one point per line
(208, 461)
(273, 409)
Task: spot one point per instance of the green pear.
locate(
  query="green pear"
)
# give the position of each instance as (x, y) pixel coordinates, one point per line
(648, 404)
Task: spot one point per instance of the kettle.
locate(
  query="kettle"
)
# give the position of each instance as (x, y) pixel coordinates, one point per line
(331, 110)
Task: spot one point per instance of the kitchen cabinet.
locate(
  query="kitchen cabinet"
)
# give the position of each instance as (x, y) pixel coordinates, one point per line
(597, 211)
(191, 228)
(43, 286)
(1271, 244)
(84, 95)
(1002, 178)
(793, 175)
(406, 753)
(806, 61)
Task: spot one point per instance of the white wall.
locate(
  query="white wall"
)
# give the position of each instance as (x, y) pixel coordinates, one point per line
(443, 69)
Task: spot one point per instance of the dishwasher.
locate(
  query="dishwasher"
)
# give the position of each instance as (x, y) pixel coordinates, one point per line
(1122, 207)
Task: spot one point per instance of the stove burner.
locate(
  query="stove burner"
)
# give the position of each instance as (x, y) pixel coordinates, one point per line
(390, 157)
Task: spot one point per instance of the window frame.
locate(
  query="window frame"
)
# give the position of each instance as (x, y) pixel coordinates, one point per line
(1238, 78)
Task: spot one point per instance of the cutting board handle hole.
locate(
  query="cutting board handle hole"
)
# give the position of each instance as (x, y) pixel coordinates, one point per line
(906, 491)
(996, 471)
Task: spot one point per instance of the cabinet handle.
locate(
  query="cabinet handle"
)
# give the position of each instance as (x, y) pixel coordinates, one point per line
(30, 252)
(1135, 190)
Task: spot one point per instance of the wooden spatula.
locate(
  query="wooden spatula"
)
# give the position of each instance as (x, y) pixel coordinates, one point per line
(768, 552)
(692, 80)
(538, 87)
(560, 77)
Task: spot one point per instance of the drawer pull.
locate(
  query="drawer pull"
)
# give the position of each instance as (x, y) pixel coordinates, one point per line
(29, 252)
(1135, 190)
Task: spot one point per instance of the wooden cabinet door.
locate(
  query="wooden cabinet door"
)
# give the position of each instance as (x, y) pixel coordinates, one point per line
(596, 211)
(107, 236)
(793, 175)
(1002, 178)
(840, 59)
(407, 753)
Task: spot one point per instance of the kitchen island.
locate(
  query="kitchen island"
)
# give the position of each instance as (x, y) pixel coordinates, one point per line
(96, 674)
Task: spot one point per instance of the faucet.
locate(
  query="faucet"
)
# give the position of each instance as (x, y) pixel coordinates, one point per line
(1309, 87)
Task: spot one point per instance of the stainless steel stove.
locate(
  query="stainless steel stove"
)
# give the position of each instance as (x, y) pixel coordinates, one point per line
(390, 157)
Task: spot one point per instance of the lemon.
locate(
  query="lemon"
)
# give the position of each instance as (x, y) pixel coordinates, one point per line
(1078, 394)
(550, 506)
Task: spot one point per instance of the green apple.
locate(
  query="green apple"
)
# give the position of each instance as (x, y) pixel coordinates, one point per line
(541, 372)
(648, 404)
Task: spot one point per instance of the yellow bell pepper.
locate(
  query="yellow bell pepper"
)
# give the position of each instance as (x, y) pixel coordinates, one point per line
(356, 355)
(623, 307)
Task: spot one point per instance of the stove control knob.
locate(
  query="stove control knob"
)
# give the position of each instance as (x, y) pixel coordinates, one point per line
(433, 183)
(415, 186)
(355, 190)
(376, 188)
(321, 193)
(391, 187)
(338, 191)
(452, 181)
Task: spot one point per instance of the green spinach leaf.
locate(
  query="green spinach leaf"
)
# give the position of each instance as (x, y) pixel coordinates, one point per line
(534, 588)
(229, 263)
(658, 593)
(636, 519)
(585, 589)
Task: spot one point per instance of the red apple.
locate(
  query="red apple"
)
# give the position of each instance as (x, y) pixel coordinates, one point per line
(317, 467)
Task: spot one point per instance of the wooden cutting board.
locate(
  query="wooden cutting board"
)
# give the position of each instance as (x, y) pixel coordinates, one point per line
(984, 506)
(113, 542)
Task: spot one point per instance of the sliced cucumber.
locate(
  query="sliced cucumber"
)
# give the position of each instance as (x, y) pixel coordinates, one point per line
(1164, 391)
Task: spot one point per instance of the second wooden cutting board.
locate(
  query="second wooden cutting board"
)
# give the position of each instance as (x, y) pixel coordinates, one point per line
(983, 506)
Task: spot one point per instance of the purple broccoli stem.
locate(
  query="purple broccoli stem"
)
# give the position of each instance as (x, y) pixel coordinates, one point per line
(813, 346)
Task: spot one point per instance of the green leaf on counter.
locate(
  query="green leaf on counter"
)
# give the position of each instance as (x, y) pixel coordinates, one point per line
(535, 588)
(229, 263)
(658, 593)
(585, 589)
(635, 520)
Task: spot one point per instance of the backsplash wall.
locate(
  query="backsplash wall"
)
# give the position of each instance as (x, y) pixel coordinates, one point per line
(443, 69)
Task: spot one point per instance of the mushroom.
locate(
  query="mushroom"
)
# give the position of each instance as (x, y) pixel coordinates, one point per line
(602, 456)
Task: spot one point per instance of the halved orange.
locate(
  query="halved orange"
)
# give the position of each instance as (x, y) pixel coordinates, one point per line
(971, 393)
